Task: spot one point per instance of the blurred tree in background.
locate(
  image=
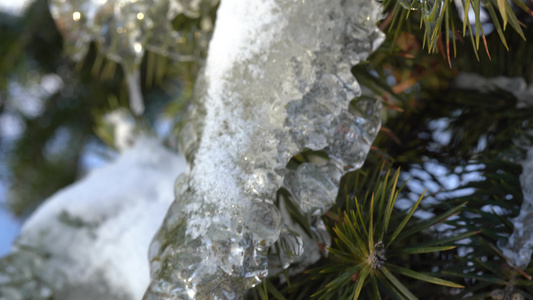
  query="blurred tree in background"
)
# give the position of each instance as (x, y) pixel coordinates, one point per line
(56, 104)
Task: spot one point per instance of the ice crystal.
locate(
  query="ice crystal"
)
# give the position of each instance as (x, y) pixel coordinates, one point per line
(277, 82)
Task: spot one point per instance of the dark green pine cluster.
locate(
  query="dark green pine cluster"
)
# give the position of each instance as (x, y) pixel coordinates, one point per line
(371, 240)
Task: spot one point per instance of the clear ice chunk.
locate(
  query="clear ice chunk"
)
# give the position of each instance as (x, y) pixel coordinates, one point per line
(314, 187)
(277, 82)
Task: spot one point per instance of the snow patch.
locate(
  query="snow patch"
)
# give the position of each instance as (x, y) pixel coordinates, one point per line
(95, 233)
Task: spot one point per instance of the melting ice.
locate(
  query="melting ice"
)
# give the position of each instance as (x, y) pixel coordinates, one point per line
(277, 82)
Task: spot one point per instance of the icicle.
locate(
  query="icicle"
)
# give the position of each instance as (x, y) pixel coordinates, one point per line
(134, 91)
(124, 29)
(75, 19)
(277, 82)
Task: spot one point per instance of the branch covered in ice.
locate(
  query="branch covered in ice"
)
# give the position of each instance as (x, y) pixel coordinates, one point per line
(277, 82)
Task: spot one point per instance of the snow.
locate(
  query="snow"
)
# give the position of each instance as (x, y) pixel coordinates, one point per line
(515, 85)
(97, 231)
(123, 126)
(13, 7)
(238, 41)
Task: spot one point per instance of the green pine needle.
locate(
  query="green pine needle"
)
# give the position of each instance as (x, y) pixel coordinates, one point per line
(433, 13)
(363, 245)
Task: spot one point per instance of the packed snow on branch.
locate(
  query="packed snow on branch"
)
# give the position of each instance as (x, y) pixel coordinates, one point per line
(90, 240)
(277, 82)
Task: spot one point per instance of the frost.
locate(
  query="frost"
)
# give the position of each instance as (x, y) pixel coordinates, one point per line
(90, 240)
(277, 82)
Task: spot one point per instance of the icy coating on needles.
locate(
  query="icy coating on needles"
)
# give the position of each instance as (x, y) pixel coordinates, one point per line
(277, 82)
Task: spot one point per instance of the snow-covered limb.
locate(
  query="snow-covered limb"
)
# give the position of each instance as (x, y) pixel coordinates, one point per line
(277, 82)
(90, 240)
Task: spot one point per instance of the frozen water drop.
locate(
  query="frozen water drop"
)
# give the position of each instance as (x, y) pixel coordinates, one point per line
(264, 221)
(314, 187)
(321, 233)
(291, 243)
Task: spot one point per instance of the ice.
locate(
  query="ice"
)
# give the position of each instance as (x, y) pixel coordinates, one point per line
(314, 187)
(121, 28)
(277, 82)
(74, 24)
(133, 81)
(430, 10)
(124, 29)
(296, 248)
(90, 240)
